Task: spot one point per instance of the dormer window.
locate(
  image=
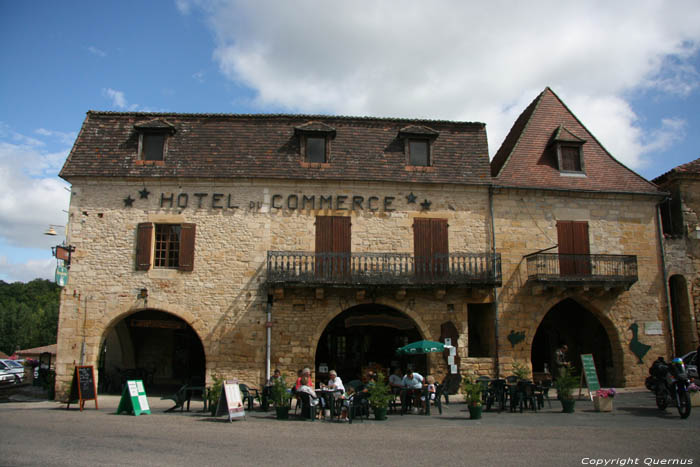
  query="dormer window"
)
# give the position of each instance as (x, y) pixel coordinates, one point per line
(568, 149)
(153, 139)
(315, 141)
(418, 141)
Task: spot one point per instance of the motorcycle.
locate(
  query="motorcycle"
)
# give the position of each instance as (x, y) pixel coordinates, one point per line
(669, 382)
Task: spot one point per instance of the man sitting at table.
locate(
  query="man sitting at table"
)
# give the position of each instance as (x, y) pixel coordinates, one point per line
(335, 382)
(396, 381)
(413, 382)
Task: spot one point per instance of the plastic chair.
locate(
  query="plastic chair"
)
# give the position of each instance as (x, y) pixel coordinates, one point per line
(249, 394)
(359, 406)
(308, 410)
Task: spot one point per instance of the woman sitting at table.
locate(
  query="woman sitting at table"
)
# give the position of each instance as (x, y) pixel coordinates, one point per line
(335, 382)
(313, 397)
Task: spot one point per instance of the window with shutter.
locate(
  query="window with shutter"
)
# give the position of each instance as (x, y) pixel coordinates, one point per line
(168, 246)
(333, 240)
(574, 249)
(430, 247)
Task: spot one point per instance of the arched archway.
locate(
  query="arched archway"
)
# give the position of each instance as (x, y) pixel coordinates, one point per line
(152, 345)
(364, 337)
(570, 323)
(680, 312)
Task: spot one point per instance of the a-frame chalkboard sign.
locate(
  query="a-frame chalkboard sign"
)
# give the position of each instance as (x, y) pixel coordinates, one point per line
(230, 402)
(590, 374)
(134, 399)
(83, 387)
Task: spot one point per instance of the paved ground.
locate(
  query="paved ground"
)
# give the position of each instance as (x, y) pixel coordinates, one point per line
(45, 433)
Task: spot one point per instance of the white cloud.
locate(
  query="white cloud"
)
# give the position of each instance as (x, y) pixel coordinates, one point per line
(199, 76)
(27, 271)
(95, 51)
(118, 99)
(461, 60)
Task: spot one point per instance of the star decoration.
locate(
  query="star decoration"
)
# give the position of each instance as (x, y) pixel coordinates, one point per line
(128, 201)
(426, 205)
(411, 198)
(144, 193)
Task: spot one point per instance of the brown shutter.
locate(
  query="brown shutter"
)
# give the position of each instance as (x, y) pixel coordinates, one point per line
(186, 256)
(440, 249)
(422, 248)
(144, 238)
(341, 245)
(582, 248)
(324, 244)
(574, 249)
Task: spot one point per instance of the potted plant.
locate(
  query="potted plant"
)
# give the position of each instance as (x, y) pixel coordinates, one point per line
(214, 393)
(281, 397)
(565, 385)
(472, 396)
(603, 398)
(379, 397)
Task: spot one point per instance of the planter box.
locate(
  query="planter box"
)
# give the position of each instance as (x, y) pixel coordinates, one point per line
(694, 398)
(603, 404)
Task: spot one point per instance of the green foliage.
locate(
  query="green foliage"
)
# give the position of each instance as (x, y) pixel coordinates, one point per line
(215, 391)
(379, 393)
(28, 314)
(472, 392)
(566, 383)
(281, 397)
(520, 371)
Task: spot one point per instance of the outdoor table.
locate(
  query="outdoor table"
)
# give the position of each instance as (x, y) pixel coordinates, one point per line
(328, 396)
(408, 396)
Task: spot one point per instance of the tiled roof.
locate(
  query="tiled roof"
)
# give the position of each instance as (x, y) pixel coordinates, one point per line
(525, 158)
(266, 146)
(691, 169)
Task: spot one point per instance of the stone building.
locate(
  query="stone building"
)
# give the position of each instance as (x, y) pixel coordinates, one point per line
(228, 244)
(681, 230)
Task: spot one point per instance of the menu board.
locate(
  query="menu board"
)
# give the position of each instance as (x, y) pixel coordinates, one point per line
(83, 386)
(590, 373)
(134, 400)
(230, 402)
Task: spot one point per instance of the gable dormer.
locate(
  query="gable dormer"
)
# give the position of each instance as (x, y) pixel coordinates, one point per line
(568, 151)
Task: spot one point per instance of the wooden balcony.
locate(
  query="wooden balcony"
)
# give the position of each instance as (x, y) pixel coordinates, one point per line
(310, 269)
(582, 270)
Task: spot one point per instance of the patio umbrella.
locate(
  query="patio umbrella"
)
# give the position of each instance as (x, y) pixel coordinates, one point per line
(421, 347)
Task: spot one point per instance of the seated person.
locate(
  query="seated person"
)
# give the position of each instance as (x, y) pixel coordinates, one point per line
(396, 381)
(413, 382)
(267, 389)
(335, 382)
(305, 372)
(306, 388)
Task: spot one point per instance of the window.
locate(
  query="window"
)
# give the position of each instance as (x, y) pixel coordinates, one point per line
(481, 330)
(568, 152)
(153, 145)
(569, 158)
(315, 149)
(165, 246)
(419, 152)
(574, 249)
(672, 214)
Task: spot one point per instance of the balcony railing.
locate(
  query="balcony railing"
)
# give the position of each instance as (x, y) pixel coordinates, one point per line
(364, 269)
(602, 270)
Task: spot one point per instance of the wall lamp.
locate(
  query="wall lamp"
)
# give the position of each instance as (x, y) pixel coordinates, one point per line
(143, 294)
(52, 229)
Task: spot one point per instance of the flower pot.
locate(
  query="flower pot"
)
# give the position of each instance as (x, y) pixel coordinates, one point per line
(603, 404)
(282, 413)
(568, 405)
(380, 413)
(475, 412)
(694, 398)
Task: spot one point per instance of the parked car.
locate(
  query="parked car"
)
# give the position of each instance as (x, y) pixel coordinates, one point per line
(691, 363)
(7, 378)
(14, 368)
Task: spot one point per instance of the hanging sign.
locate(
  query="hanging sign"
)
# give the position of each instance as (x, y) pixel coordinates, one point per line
(61, 276)
(230, 401)
(83, 387)
(589, 372)
(134, 400)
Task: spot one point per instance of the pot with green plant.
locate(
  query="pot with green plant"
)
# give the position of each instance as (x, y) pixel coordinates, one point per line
(214, 393)
(565, 385)
(281, 397)
(521, 371)
(472, 396)
(379, 397)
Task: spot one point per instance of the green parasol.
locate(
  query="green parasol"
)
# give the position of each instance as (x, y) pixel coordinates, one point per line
(421, 347)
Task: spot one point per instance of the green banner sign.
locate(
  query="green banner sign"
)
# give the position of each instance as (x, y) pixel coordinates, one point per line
(61, 275)
(134, 399)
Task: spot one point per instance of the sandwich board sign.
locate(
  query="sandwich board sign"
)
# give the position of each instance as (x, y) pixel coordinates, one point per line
(230, 402)
(589, 372)
(83, 387)
(134, 400)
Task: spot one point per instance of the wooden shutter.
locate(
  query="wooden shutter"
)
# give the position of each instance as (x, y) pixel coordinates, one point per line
(186, 254)
(333, 245)
(574, 249)
(144, 240)
(430, 247)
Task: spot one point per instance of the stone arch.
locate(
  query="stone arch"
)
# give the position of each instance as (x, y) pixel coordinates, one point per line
(607, 340)
(162, 347)
(384, 311)
(683, 327)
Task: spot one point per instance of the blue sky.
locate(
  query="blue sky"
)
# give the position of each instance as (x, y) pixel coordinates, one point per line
(630, 71)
